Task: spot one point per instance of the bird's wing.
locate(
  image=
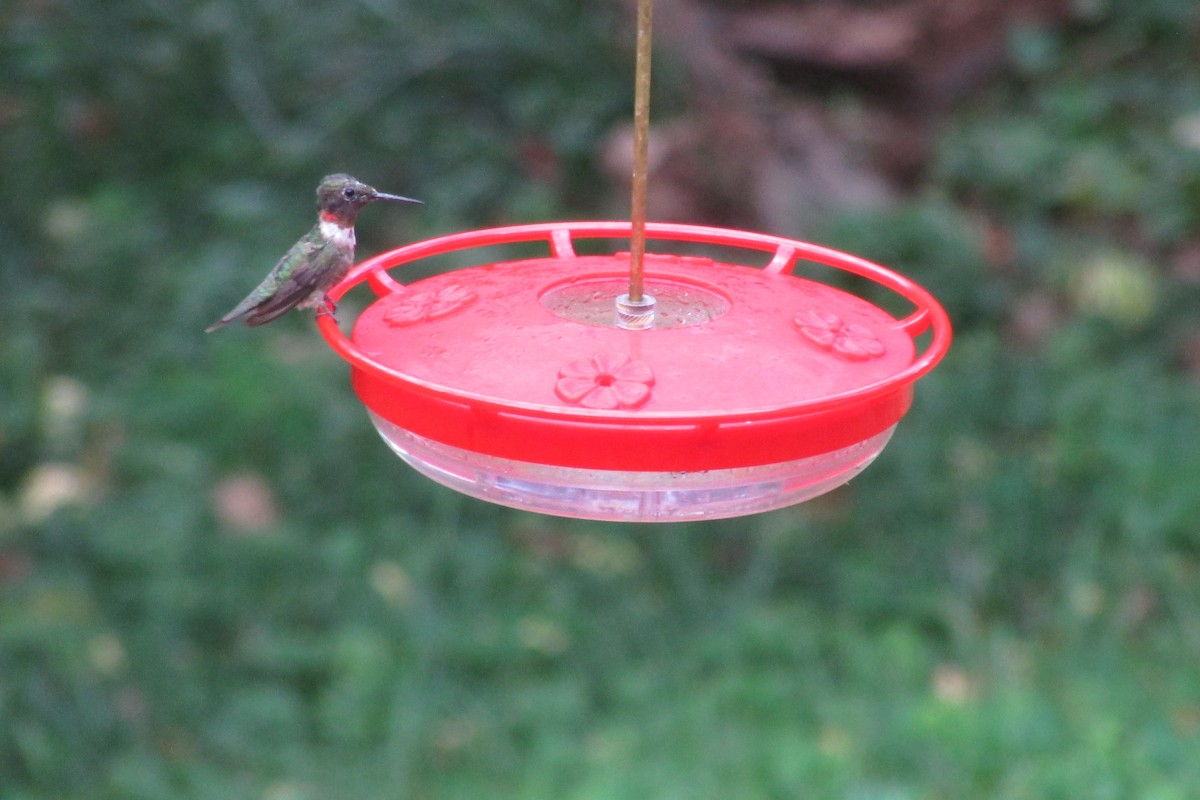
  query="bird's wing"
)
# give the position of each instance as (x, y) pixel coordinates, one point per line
(303, 251)
(306, 267)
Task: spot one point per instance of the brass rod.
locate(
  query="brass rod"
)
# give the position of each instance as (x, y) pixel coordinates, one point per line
(641, 148)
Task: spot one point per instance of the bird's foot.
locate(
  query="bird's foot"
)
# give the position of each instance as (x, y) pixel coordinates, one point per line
(328, 308)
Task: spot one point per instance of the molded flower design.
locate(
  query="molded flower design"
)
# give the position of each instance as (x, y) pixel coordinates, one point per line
(828, 330)
(430, 304)
(605, 382)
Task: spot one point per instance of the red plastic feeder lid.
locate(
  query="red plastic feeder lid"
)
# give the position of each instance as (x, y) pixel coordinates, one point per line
(744, 366)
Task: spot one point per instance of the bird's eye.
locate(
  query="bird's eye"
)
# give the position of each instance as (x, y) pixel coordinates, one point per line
(349, 193)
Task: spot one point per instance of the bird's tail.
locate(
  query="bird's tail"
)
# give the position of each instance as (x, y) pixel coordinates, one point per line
(240, 310)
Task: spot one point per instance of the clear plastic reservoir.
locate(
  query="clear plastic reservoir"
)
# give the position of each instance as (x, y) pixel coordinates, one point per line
(631, 496)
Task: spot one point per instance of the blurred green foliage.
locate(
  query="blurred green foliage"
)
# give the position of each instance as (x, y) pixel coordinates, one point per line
(216, 582)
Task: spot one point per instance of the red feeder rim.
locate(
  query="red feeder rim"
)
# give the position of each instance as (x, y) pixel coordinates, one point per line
(476, 359)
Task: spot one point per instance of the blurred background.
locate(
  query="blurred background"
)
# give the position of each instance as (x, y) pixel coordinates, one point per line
(216, 582)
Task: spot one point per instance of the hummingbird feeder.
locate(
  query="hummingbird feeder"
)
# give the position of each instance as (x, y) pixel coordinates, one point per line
(637, 386)
(537, 383)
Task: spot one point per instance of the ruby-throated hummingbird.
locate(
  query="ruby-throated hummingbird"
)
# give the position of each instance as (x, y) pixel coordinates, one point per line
(315, 263)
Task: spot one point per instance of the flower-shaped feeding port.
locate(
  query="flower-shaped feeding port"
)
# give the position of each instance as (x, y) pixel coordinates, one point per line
(511, 381)
(420, 306)
(827, 330)
(605, 382)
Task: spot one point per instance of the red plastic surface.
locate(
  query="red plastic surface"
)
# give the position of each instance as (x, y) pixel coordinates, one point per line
(793, 368)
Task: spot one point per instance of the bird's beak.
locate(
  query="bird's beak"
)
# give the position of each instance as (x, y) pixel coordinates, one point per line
(382, 196)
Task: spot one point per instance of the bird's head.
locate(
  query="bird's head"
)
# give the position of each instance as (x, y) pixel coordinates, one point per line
(340, 197)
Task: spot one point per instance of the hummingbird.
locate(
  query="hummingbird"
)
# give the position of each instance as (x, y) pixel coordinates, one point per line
(317, 262)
